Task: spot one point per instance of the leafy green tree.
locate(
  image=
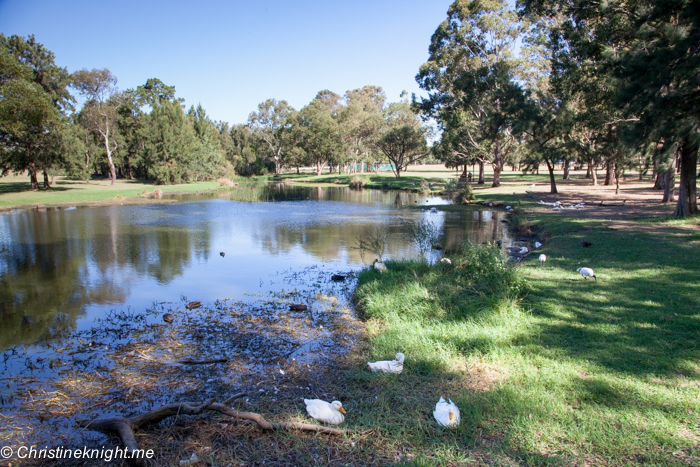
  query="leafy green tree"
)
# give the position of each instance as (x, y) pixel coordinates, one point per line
(269, 123)
(317, 130)
(360, 120)
(169, 144)
(643, 55)
(402, 138)
(471, 70)
(33, 96)
(99, 87)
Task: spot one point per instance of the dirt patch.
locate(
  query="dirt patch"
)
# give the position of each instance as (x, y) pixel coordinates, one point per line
(634, 202)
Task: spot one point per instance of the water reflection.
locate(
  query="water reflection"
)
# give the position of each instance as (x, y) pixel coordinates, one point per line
(59, 269)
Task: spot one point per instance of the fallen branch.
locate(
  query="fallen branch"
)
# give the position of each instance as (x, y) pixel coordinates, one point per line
(125, 427)
(202, 362)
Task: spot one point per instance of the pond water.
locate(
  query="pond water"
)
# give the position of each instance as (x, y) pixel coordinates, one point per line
(83, 292)
(60, 269)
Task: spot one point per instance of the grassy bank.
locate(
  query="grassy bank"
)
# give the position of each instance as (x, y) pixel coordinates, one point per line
(576, 373)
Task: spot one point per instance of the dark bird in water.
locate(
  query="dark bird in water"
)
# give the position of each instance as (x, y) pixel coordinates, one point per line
(168, 318)
(298, 307)
(222, 254)
(499, 243)
(193, 305)
(337, 277)
(585, 243)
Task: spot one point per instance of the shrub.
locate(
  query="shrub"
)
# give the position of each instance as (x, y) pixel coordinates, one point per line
(463, 195)
(357, 182)
(225, 182)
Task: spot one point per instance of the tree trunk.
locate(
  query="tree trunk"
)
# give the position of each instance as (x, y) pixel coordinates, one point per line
(33, 183)
(552, 182)
(669, 184)
(588, 172)
(496, 176)
(318, 167)
(112, 170)
(593, 172)
(608, 173)
(659, 183)
(687, 191)
(566, 171)
(617, 180)
(46, 178)
(481, 173)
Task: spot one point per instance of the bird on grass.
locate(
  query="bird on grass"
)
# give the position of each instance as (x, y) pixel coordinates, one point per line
(587, 272)
(446, 414)
(381, 267)
(328, 412)
(543, 258)
(585, 243)
(388, 366)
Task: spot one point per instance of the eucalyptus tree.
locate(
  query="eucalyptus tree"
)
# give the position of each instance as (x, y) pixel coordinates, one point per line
(100, 112)
(268, 123)
(33, 100)
(317, 130)
(360, 120)
(402, 137)
(471, 70)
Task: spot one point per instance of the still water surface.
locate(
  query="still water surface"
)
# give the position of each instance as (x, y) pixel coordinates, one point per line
(61, 269)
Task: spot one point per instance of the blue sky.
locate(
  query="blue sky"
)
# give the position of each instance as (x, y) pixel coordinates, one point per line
(231, 56)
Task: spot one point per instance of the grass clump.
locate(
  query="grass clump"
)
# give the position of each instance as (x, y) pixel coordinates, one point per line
(357, 182)
(460, 193)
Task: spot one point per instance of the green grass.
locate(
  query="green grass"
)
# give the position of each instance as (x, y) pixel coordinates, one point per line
(602, 373)
(14, 191)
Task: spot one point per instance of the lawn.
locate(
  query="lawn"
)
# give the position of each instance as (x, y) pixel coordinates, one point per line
(558, 371)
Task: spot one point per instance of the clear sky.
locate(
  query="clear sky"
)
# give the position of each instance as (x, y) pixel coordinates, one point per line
(232, 55)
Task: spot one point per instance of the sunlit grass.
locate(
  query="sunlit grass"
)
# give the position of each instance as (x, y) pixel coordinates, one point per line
(601, 373)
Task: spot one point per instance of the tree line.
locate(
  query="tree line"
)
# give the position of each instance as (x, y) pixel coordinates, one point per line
(608, 84)
(146, 133)
(611, 83)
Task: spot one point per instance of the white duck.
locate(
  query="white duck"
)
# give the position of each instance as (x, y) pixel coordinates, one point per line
(329, 412)
(446, 414)
(388, 366)
(543, 258)
(381, 267)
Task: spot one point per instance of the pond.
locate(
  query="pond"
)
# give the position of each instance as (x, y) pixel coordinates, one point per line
(59, 269)
(83, 293)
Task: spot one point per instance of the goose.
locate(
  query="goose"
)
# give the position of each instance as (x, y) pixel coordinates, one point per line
(193, 305)
(388, 366)
(587, 272)
(524, 250)
(337, 277)
(381, 267)
(222, 254)
(328, 412)
(446, 414)
(543, 258)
